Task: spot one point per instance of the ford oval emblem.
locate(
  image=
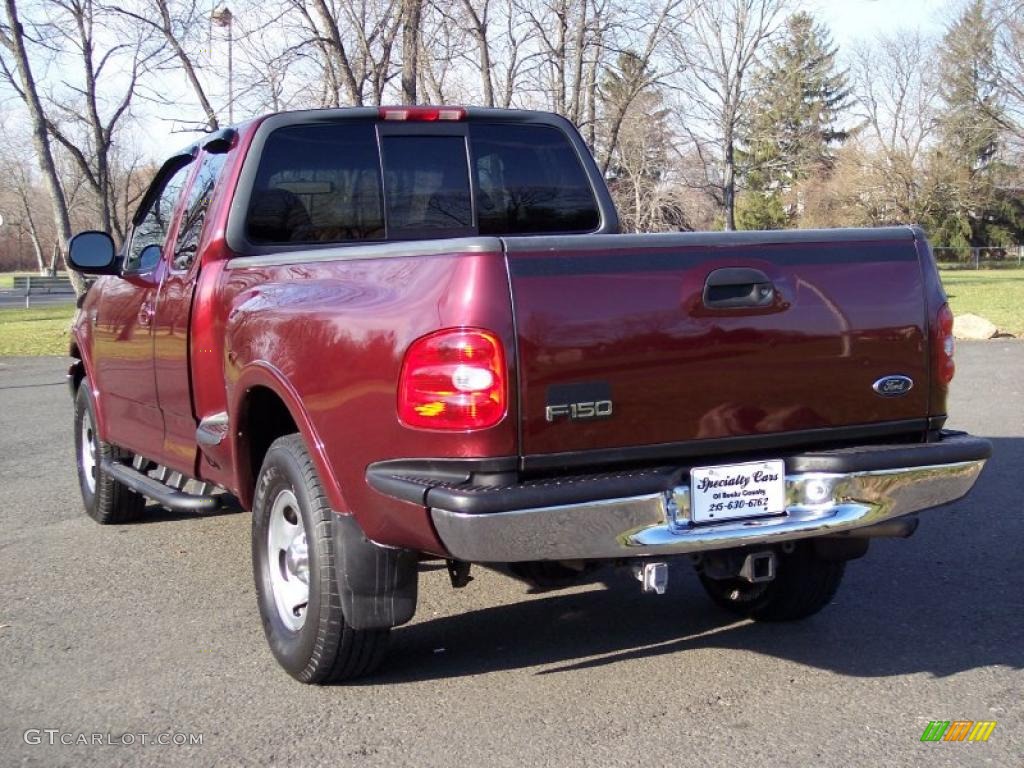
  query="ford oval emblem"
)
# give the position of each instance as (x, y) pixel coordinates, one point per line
(893, 386)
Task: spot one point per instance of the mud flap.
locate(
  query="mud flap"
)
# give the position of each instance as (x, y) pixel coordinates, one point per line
(377, 585)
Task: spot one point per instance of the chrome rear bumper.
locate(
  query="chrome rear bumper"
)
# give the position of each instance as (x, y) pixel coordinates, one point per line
(656, 524)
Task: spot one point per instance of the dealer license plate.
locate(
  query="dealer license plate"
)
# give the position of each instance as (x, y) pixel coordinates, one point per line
(737, 490)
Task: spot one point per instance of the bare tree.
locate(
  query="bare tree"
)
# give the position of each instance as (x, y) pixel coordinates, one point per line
(444, 45)
(566, 34)
(130, 175)
(179, 26)
(355, 39)
(478, 18)
(86, 118)
(270, 70)
(651, 25)
(22, 199)
(897, 100)
(718, 43)
(1009, 16)
(893, 82)
(20, 76)
(501, 44)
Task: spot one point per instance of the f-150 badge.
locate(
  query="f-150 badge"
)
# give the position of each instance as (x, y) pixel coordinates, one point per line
(598, 409)
(579, 401)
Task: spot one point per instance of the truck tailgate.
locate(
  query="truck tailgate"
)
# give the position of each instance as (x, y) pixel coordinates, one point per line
(696, 337)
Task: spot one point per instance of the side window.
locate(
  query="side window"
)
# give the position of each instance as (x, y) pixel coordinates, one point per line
(149, 235)
(196, 208)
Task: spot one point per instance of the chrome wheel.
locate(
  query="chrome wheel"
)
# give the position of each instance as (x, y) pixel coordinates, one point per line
(88, 454)
(288, 560)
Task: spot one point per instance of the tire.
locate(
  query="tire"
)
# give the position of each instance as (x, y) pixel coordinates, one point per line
(307, 632)
(803, 585)
(106, 501)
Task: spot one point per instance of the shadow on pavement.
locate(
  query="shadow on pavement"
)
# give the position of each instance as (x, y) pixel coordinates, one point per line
(157, 514)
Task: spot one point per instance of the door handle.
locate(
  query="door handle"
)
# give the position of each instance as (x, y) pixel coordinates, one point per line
(146, 313)
(738, 288)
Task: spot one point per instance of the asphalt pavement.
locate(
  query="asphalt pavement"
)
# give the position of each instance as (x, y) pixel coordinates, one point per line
(149, 632)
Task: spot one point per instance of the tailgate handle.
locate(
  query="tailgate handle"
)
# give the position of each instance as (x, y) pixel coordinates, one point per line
(737, 287)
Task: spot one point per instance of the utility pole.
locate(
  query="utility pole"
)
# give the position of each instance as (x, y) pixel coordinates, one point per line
(223, 17)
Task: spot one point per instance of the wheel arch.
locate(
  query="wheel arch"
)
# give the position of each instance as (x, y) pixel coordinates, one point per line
(265, 408)
(80, 368)
(76, 371)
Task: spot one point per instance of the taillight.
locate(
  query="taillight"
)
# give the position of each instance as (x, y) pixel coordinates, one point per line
(453, 379)
(943, 345)
(421, 114)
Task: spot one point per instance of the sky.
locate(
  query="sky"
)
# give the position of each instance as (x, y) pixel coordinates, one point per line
(853, 20)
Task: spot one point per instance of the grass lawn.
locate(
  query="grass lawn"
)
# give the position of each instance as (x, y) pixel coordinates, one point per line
(995, 294)
(36, 331)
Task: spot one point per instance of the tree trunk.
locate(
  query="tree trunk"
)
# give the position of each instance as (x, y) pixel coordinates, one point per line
(340, 63)
(197, 88)
(590, 131)
(480, 24)
(40, 137)
(37, 247)
(579, 48)
(100, 138)
(410, 48)
(729, 182)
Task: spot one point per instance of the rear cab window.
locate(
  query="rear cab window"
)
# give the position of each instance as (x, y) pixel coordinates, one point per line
(529, 181)
(357, 180)
(426, 186)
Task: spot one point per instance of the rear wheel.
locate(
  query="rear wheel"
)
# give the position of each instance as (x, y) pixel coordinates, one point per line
(295, 564)
(803, 585)
(106, 500)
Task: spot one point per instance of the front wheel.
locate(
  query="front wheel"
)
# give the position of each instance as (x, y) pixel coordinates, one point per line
(295, 564)
(803, 585)
(105, 499)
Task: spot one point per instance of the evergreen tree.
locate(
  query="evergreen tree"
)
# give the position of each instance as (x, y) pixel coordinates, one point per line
(964, 169)
(638, 157)
(969, 88)
(641, 106)
(793, 131)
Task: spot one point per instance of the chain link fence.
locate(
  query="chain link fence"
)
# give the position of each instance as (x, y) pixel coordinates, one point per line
(1008, 257)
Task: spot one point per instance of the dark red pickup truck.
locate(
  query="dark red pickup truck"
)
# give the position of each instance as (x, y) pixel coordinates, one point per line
(414, 333)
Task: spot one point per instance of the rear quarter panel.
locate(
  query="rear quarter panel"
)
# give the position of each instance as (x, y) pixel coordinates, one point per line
(329, 337)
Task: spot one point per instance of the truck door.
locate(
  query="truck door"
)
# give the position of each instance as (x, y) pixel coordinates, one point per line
(123, 328)
(171, 322)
